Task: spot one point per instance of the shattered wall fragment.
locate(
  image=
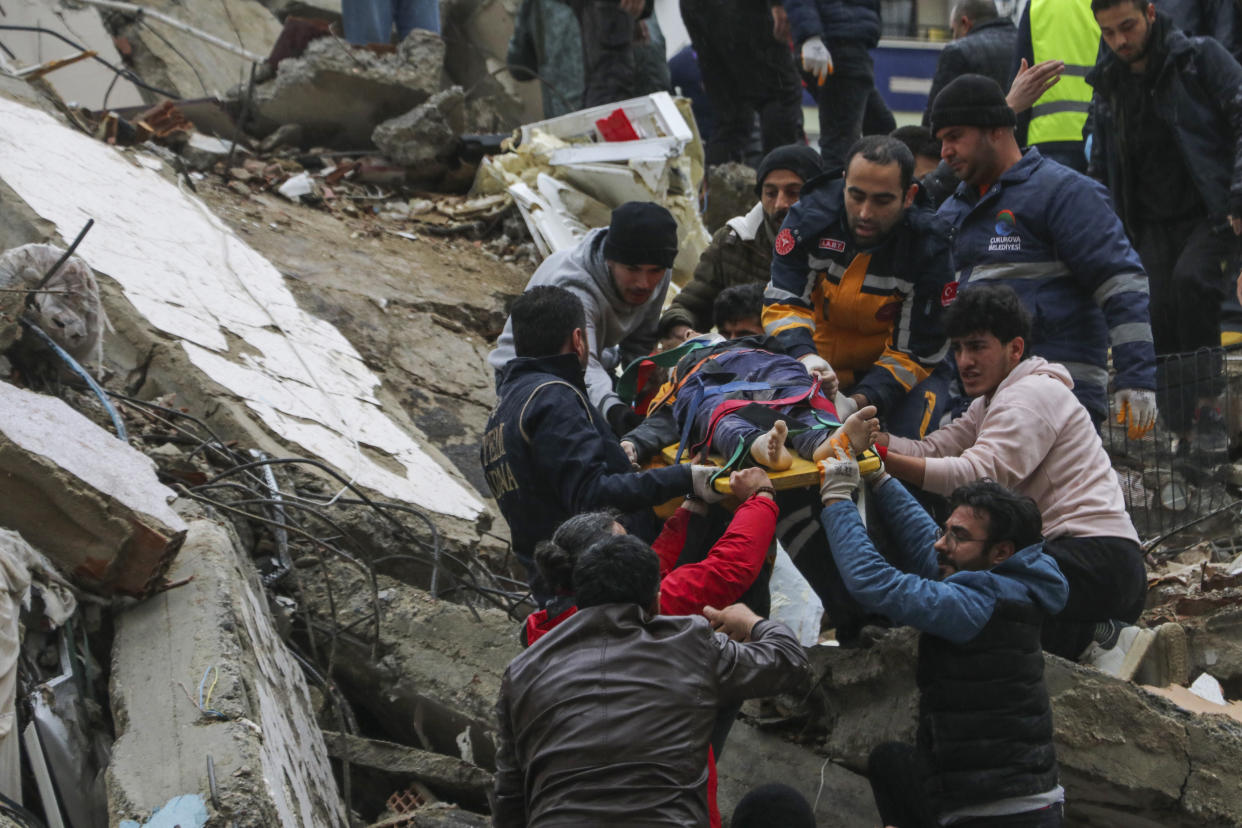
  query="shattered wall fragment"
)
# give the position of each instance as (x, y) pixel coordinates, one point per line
(88, 500)
(256, 726)
(226, 307)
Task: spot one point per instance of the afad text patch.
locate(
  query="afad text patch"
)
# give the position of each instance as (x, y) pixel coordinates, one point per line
(835, 245)
(784, 242)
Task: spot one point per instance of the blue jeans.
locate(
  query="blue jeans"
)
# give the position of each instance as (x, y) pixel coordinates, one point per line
(371, 21)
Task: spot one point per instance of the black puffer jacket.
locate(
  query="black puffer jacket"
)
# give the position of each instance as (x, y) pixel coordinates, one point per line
(1198, 92)
(987, 50)
(985, 723)
(835, 20)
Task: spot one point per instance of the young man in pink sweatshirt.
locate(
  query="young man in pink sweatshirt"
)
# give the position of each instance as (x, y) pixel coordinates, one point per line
(1027, 431)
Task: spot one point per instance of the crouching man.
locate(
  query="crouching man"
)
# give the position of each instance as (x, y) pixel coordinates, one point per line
(979, 592)
(606, 720)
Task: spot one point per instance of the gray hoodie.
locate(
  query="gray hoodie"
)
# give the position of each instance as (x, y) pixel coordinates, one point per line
(617, 332)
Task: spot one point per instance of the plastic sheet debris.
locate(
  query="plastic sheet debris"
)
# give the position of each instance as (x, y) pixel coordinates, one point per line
(188, 811)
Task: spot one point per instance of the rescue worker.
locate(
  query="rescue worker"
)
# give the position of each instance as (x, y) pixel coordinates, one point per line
(1052, 235)
(859, 280)
(547, 453)
(621, 274)
(741, 251)
(1065, 31)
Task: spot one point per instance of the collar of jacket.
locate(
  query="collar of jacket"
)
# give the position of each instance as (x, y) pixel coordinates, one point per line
(1171, 45)
(561, 366)
(748, 226)
(1018, 173)
(991, 24)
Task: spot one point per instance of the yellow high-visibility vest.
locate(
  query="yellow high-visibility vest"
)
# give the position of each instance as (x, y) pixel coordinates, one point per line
(1063, 30)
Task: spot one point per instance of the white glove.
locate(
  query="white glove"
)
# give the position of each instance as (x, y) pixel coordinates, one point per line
(838, 477)
(701, 485)
(817, 366)
(845, 407)
(1136, 409)
(816, 59)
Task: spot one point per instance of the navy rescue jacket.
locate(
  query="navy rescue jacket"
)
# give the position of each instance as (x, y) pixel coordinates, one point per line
(833, 20)
(1051, 234)
(548, 454)
(1198, 93)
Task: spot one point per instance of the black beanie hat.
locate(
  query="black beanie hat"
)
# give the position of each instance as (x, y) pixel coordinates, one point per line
(773, 806)
(801, 160)
(641, 233)
(971, 100)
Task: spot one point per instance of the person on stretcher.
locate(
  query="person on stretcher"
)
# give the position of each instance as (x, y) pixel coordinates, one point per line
(733, 397)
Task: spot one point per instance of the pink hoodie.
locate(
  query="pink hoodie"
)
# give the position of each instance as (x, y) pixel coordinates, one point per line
(1035, 438)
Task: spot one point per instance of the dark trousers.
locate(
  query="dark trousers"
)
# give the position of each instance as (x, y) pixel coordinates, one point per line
(849, 105)
(897, 787)
(918, 413)
(1185, 263)
(608, 59)
(1107, 581)
(745, 71)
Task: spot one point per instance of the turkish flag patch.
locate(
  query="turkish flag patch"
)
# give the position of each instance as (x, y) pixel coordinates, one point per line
(784, 242)
(948, 294)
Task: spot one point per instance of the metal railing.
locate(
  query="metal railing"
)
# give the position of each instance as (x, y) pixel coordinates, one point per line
(1178, 475)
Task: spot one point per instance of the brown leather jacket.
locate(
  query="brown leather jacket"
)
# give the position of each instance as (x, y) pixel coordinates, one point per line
(606, 719)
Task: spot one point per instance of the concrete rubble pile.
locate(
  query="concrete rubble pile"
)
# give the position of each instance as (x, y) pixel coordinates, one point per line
(256, 579)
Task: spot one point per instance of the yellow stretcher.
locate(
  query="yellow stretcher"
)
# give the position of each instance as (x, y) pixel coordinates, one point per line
(801, 473)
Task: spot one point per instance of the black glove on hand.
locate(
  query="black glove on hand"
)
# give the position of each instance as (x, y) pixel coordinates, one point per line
(623, 419)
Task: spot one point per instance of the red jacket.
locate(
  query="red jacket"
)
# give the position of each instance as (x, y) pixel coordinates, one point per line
(729, 568)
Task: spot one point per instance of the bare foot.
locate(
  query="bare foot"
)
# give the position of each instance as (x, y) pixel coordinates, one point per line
(769, 449)
(854, 435)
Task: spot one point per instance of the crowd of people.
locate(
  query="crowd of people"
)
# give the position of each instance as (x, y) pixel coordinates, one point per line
(939, 316)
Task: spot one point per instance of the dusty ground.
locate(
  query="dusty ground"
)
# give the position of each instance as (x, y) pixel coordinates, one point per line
(355, 274)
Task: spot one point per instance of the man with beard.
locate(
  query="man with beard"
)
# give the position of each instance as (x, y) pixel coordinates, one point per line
(1168, 143)
(741, 251)
(1051, 234)
(858, 283)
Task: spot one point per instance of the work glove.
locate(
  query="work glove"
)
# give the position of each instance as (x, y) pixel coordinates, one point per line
(816, 59)
(838, 477)
(1136, 409)
(845, 406)
(817, 366)
(877, 477)
(622, 419)
(701, 484)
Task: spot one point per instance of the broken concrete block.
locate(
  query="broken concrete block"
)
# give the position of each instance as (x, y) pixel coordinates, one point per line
(339, 93)
(87, 500)
(426, 133)
(256, 729)
(448, 778)
(168, 58)
(1127, 757)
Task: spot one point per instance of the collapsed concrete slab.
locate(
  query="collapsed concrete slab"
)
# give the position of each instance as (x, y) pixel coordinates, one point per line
(1128, 757)
(207, 700)
(169, 58)
(426, 133)
(448, 777)
(339, 93)
(88, 500)
(731, 192)
(437, 678)
(198, 312)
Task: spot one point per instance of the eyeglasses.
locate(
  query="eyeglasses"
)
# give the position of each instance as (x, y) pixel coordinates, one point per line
(955, 539)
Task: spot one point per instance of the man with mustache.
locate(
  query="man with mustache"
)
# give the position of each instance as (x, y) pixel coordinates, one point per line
(741, 251)
(859, 280)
